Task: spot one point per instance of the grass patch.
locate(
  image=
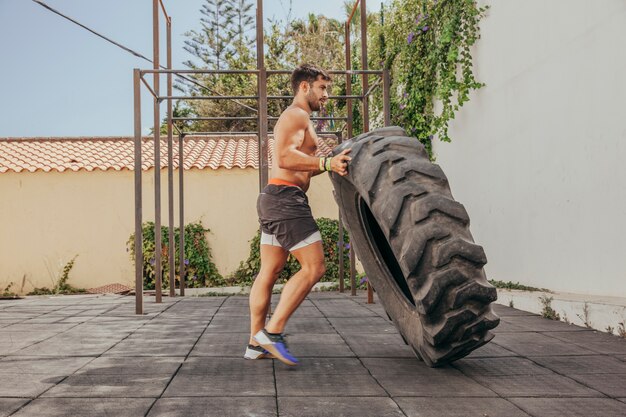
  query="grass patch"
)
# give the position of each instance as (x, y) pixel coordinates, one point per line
(510, 285)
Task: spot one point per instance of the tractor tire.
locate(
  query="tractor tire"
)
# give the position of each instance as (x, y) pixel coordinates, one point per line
(414, 242)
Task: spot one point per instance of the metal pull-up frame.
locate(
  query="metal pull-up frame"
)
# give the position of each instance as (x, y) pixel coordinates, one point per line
(262, 133)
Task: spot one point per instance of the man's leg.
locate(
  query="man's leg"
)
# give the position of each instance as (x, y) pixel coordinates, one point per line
(311, 259)
(273, 260)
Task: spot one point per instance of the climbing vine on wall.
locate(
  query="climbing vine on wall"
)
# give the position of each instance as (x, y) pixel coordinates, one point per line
(427, 45)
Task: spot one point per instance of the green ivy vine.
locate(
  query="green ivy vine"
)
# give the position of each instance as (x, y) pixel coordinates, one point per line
(200, 271)
(427, 46)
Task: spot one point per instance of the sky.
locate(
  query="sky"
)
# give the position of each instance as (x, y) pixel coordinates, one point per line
(57, 79)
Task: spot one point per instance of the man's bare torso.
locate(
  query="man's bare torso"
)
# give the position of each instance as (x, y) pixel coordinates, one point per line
(307, 143)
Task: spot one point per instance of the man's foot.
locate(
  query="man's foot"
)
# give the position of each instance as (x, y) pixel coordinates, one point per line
(257, 352)
(276, 345)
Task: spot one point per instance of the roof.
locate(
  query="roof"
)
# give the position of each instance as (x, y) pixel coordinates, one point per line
(117, 153)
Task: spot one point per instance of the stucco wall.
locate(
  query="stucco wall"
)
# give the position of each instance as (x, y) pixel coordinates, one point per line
(538, 155)
(47, 218)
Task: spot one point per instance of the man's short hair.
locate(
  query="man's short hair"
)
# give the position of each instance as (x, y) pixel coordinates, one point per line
(308, 73)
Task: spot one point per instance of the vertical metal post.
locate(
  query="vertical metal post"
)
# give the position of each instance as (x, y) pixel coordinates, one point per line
(157, 154)
(170, 167)
(138, 196)
(262, 102)
(366, 119)
(349, 132)
(387, 97)
(181, 214)
(341, 244)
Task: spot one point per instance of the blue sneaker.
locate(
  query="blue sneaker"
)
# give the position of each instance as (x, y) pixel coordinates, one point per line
(276, 345)
(256, 352)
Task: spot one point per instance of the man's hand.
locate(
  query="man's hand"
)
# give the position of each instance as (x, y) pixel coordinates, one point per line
(339, 162)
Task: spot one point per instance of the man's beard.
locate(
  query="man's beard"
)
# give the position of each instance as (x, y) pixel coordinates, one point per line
(314, 104)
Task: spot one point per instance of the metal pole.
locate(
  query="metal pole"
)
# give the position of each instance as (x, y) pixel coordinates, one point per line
(157, 155)
(262, 92)
(387, 97)
(181, 213)
(170, 168)
(138, 207)
(349, 133)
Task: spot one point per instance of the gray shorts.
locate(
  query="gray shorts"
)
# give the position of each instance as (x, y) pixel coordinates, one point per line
(284, 213)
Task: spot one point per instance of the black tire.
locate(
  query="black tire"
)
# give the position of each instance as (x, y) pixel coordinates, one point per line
(414, 242)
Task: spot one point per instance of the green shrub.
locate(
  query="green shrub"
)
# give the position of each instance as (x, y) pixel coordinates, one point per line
(329, 229)
(200, 271)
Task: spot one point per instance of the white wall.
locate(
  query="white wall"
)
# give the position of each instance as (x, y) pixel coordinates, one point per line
(538, 156)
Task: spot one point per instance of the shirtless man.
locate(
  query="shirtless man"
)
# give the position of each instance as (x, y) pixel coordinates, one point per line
(287, 224)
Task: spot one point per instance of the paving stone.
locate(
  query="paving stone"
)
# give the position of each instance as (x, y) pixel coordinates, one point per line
(338, 407)
(490, 350)
(225, 366)
(298, 325)
(410, 366)
(549, 385)
(221, 344)
(507, 327)
(132, 366)
(42, 365)
(346, 311)
(215, 407)
(26, 385)
(458, 407)
(378, 345)
(536, 344)
(597, 342)
(499, 366)
(363, 325)
(422, 383)
(139, 347)
(229, 324)
(233, 311)
(571, 407)
(596, 364)
(505, 311)
(67, 347)
(92, 407)
(9, 405)
(297, 384)
(318, 345)
(538, 324)
(345, 366)
(200, 385)
(613, 385)
(109, 386)
(307, 312)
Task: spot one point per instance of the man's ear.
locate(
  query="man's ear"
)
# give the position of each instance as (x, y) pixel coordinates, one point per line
(305, 86)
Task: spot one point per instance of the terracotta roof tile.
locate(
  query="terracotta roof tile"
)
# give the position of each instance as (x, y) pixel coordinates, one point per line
(117, 153)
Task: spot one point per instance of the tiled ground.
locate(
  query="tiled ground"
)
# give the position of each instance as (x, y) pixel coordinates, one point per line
(92, 356)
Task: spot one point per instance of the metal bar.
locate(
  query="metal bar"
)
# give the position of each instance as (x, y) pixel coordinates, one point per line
(356, 4)
(170, 167)
(167, 18)
(148, 86)
(221, 133)
(341, 248)
(176, 71)
(138, 196)
(345, 72)
(372, 87)
(331, 97)
(208, 98)
(364, 77)
(315, 118)
(348, 81)
(387, 97)
(215, 118)
(157, 156)
(262, 92)
(352, 272)
(181, 214)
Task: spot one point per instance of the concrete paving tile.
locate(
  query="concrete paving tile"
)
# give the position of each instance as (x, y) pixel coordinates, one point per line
(140, 347)
(225, 366)
(297, 384)
(376, 325)
(200, 385)
(26, 385)
(229, 324)
(621, 357)
(67, 347)
(338, 407)
(48, 318)
(445, 383)
(318, 345)
(410, 366)
(297, 325)
(549, 385)
(233, 311)
(132, 366)
(458, 407)
(215, 407)
(14, 336)
(346, 366)
(571, 407)
(505, 311)
(378, 345)
(536, 344)
(307, 312)
(539, 324)
(499, 366)
(346, 311)
(9, 405)
(595, 341)
(490, 350)
(506, 327)
(109, 386)
(221, 344)
(613, 385)
(43, 327)
(42, 365)
(568, 365)
(100, 407)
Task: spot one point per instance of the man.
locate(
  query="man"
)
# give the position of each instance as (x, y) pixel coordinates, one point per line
(287, 225)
